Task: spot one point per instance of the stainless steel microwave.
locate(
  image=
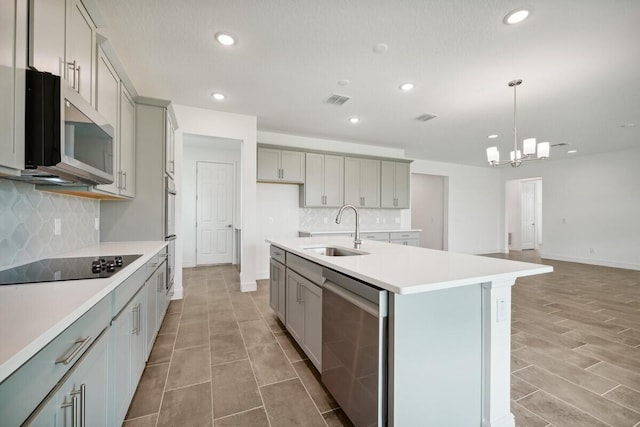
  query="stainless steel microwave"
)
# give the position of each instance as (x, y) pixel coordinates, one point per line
(66, 139)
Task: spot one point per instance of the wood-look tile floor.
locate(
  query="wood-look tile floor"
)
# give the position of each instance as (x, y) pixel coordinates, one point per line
(575, 346)
(222, 358)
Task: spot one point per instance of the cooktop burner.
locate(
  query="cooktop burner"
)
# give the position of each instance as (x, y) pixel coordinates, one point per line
(56, 269)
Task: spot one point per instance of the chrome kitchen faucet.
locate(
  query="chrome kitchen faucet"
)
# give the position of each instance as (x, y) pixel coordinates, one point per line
(357, 242)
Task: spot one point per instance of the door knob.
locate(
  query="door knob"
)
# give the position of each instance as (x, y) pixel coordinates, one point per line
(230, 225)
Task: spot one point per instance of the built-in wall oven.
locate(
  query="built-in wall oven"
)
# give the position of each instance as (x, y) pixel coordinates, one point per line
(170, 229)
(354, 347)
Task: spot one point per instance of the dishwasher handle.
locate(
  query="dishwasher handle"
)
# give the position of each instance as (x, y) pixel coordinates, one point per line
(352, 298)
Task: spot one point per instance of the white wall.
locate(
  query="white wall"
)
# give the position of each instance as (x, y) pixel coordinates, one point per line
(590, 202)
(202, 149)
(428, 209)
(199, 121)
(513, 213)
(475, 206)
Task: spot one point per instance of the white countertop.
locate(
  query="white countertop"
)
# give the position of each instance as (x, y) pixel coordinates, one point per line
(31, 315)
(365, 231)
(406, 269)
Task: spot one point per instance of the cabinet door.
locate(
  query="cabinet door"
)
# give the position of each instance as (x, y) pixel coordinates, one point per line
(292, 166)
(312, 297)
(352, 193)
(169, 146)
(295, 306)
(313, 176)
(107, 94)
(402, 185)
(277, 289)
(387, 184)
(121, 328)
(80, 38)
(138, 327)
(127, 144)
(333, 175)
(91, 379)
(8, 152)
(160, 279)
(369, 183)
(150, 315)
(268, 164)
(46, 35)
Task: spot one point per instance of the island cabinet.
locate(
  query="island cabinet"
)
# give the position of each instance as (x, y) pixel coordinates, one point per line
(324, 180)
(277, 283)
(362, 182)
(275, 165)
(395, 184)
(304, 315)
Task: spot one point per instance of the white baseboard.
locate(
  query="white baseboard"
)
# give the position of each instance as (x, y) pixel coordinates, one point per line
(262, 275)
(591, 261)
(177, 294)
(188, 264)
(506, 421)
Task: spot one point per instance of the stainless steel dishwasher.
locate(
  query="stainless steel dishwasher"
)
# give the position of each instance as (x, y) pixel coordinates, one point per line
(354, 347)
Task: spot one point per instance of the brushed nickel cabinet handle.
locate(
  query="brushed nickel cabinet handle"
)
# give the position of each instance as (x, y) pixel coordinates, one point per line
(79, 344)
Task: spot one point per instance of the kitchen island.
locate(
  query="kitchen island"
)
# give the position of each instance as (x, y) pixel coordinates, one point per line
(446, 346)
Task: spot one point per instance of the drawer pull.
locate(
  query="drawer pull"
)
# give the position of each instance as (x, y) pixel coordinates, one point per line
(80, 344)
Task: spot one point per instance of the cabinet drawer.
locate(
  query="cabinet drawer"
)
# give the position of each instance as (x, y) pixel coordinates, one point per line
(28, 386)
(305, 268)
(379, 236)
(278, 254)
(406, 242)
(404, 235)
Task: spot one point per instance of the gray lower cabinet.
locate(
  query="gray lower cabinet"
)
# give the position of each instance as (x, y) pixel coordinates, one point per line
(82, 396)
(277, 289)
(407, 238)
(304, 315)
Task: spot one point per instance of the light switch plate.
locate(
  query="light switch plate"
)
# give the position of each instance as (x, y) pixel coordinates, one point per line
(57, 226)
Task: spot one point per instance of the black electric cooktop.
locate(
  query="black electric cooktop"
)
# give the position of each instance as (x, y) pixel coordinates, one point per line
(57, 269)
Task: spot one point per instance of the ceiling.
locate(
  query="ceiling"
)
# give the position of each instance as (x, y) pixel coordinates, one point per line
(579, 60)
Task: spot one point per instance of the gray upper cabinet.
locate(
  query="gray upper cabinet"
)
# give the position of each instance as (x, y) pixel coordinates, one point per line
(324, 180)
(362, 182)
(12, 49)
(46, 36)
(395, 184)
(276, 165)
(80, 50)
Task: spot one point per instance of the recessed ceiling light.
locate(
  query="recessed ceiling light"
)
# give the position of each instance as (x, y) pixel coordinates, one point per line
(516, 16)
(380, 48)
(218, 96)
(628, 125)
(572, 151)
(354, 120)
(494, 136)
(406, 87)
(225, 39)
(344, 82)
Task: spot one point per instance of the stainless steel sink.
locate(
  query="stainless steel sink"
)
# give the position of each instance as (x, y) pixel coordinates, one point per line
(334, 251)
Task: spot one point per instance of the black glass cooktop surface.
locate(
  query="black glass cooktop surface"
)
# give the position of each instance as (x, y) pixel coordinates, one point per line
(57, 269)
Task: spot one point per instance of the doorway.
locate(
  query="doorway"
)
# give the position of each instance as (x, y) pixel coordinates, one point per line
(523, 214)
(428, 209)
(214, 213)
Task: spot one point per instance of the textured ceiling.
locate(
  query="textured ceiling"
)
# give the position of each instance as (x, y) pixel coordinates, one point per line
(580, 62)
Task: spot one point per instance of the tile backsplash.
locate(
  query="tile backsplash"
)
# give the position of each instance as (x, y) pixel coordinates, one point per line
(27, 223)
(323, 219)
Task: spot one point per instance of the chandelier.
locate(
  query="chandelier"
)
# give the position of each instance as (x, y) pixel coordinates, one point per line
(528, 145)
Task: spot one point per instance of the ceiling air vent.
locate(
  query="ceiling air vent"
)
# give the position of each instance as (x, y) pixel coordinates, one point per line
(336, 99)
(560, 144)
(425, 117)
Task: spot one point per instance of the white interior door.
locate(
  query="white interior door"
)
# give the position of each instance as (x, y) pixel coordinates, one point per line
(214, 213)
(528, 211)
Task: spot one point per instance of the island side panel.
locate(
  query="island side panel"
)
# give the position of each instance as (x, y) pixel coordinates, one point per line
(435, 358)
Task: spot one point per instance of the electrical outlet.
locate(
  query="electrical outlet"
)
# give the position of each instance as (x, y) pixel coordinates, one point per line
(397, 220)
(326, 220)
(96, 223)
(592, 251)
(57, 226)
(377, 220)
(270, 220)
(564, 220)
